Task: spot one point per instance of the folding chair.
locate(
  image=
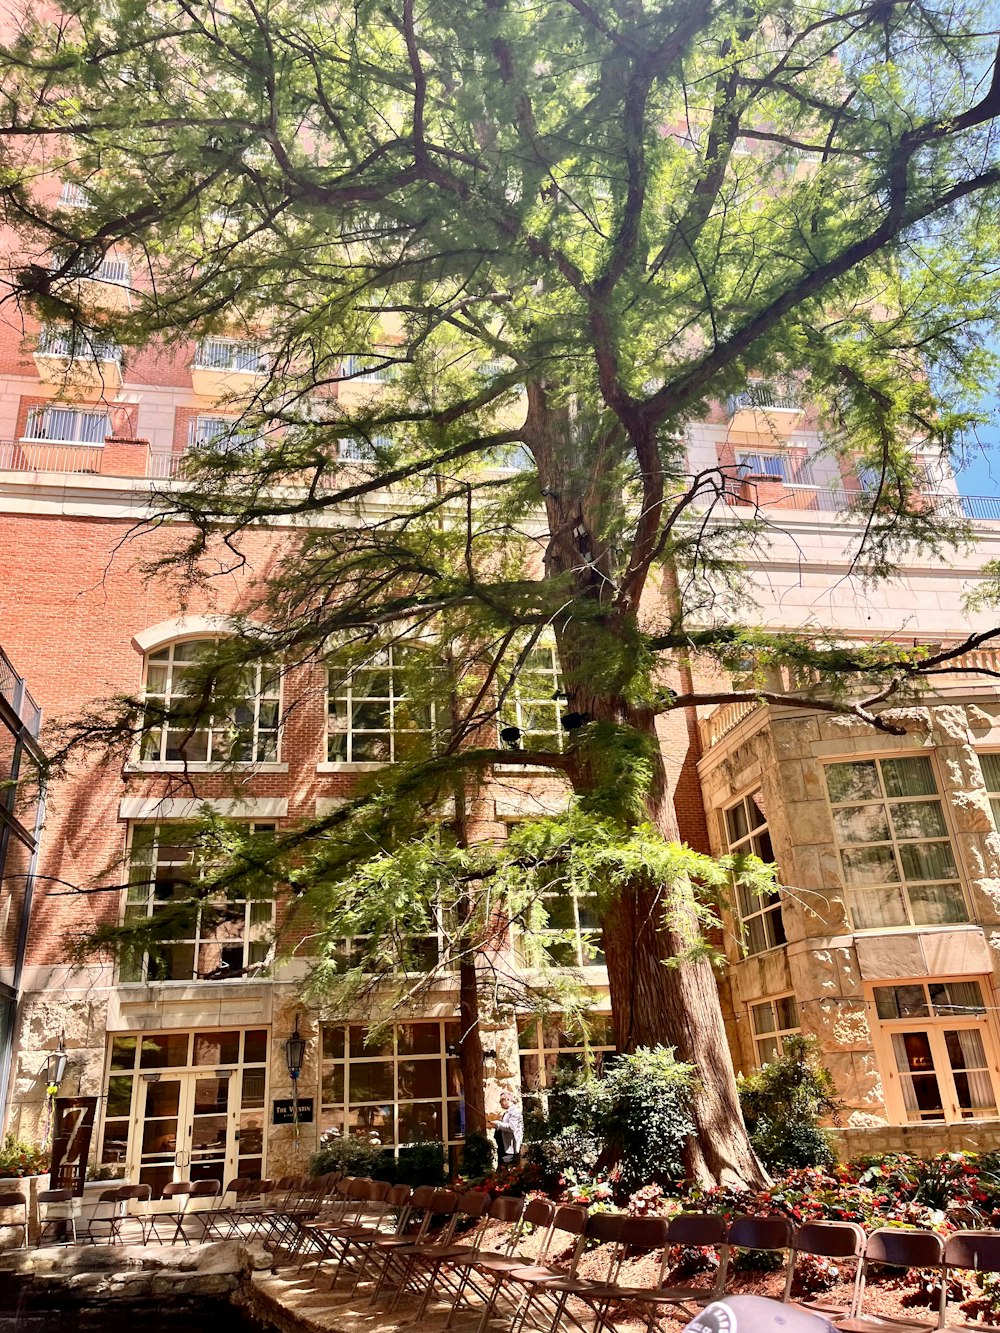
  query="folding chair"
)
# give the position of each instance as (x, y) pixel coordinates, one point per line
(104, 1223)
(439, 1203)
(424, 1260)
(252, 1209)
(324, 1232)
(899, 1249)
(57, 1212)
(640, 1235)
(176, 1189)
(508, 1212)
(609, 1229)
(201, 1189)
(135, 1201)
(828, 1240)
(278, 1198)
(979, 1250)
(531, 1279)
(12, 1201)
(347, 1238)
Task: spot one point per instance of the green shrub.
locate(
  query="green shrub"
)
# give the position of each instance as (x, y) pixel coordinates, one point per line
(354, 1157)
(642, 1114)
(783, 1103)
(477, 1157)
(422, 1164)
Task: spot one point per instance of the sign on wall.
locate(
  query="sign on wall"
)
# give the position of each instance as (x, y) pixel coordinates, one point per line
(72, 1127)
(284, 1111)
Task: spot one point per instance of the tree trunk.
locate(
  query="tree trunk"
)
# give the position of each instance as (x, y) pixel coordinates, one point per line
(470, 1049)
(677, 1005)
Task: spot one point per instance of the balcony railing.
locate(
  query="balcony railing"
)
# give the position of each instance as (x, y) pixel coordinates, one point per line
(819, 499)
(15, 691)
(368, 369)
(766, 397)
(226, 355)
(77, 347)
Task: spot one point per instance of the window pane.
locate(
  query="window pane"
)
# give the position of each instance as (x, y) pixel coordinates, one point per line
(861, 823)
(763, 1017)
(869, 865)
(918, 819)
(927, 860)
(877, 907)
(853, 782)
(333, 1043)
(973, 1084)
(787, 1011)
(908, 777)
(419, 1078)
(917, 1077)
(372, 1082)
(123, 1053)
(990, 764)
(418, 1038)
(255, 1047)
(216, 1048)
(768, 1049)
(119, 1096)
(736, 823)
(900, 1002)
(420, 1122)
(949, 997)
(164, 1052)
(937, 904)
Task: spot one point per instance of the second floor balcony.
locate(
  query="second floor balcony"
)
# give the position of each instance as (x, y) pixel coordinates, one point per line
(765, 408)
(74, 356)
(226, 368)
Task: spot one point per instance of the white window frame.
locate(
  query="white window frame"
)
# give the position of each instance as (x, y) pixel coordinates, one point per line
(542, 1054)
(895, 842)
(257, 934)
(356, 368)
(341, 703)
(74, 195)
(764, 1038)
(934, 1023)
(768, 909)
(38, 425)
(336, 1114)
(524, 695)
(218, 735)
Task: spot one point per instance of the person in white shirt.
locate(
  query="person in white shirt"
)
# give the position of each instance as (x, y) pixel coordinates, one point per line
(509, 1129)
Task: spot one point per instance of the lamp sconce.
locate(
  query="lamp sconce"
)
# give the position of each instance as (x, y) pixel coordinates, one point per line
(295, 1052)
(55, 1064)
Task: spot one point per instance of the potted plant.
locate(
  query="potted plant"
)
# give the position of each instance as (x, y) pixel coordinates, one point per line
(27, 1162)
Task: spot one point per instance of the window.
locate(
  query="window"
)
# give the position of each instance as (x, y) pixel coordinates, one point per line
(990, 764)
(895, 853)
(571, 935)
(549, 1049)
(113, 269)
(218, 432)
(375, 715)
(177, 727)
(362, 451)
(940, 1049)
(423, 952)
(402, 1089)
(535, 702)
(73, 195)
(771, 1021)
(368, 369)
(71, 425)
(764, 465)
(73, 344)
(224, 939)
(229, 354)
(760, 914)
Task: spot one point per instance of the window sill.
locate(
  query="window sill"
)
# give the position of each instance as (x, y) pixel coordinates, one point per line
(352, 766)
(200, 766)
(133, 986)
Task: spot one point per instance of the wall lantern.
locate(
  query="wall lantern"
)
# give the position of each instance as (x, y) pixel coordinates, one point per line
(55, 1063)
(295, 1052)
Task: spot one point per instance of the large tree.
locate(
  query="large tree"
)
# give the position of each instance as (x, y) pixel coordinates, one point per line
(563, 230)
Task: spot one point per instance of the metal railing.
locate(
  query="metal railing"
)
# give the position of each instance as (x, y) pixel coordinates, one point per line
(74, 346)
(16, 692)
(761, 394)
(228, 355)
(50, 456)
(809, 497)
(368, 369)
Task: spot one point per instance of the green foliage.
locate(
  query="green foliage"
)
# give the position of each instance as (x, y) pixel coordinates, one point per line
(642, 1113)
(353, 1157)
(477, 1157)
(19, 1158)
(783, 1103)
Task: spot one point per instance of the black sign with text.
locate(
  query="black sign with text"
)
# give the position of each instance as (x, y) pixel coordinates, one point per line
(73, 1125)
(284, 1111)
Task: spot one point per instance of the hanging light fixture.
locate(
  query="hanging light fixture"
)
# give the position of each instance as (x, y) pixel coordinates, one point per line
(295, 1051)
(55, 1063)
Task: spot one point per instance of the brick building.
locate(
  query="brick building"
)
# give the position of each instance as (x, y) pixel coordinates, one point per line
(881, 941)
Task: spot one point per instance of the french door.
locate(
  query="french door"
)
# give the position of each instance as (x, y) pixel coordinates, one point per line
(945, 1073)
(187, 1128)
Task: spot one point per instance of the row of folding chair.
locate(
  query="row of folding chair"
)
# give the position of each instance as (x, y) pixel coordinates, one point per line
(405, 1242)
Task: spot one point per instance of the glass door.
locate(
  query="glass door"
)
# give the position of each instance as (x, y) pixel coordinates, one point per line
(159, 1130)
(944, 1074)
(187, 1128)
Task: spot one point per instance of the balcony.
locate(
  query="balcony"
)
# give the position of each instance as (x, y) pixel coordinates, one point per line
(362, 378)
(107, 287)
(763, 408)
(115, 456)
(68, 357)
(225, 368)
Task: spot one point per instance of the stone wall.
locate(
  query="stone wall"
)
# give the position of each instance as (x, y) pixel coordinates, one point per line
(916, 1140)
(824, 964)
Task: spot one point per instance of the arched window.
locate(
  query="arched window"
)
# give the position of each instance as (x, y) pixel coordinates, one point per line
(180, 727)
